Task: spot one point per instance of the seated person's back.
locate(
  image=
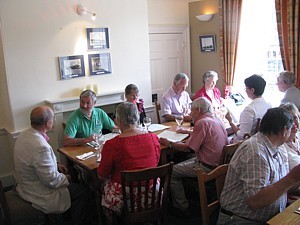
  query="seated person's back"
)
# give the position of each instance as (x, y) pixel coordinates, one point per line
(132, 149)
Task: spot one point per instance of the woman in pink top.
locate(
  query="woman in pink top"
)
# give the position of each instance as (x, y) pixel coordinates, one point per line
(133, 149)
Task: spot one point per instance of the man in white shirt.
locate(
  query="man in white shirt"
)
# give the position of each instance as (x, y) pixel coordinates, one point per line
(176, 101)
(286, 83)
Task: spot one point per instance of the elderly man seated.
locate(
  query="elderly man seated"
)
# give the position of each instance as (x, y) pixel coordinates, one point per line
(176, 101)
(207, 141)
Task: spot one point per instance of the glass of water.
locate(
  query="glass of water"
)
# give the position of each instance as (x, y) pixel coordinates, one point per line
(147, 122)
(179, 120)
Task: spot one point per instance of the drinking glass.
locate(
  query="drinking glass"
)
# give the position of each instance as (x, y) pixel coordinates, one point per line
(179, 120)
(97, 136)
(147, 122)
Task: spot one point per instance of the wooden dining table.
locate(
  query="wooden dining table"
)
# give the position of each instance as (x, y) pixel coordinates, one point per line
(91, 164)
(287, 216)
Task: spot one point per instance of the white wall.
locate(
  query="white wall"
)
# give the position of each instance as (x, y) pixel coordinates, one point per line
(168, 12)
(35, 33)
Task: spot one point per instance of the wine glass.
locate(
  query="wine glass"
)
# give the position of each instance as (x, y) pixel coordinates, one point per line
(147, 122)
(179, 120)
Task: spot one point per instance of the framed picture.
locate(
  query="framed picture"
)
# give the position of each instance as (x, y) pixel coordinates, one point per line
(71, 66)
(207, 43)
(99, 63)
(97, 38)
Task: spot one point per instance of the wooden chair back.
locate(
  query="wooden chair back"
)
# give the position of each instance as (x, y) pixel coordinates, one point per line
(145, 194)
(18, 211)
(228, 152)
(4, 206)
(218, 177)
(257, 126)
(157, 109)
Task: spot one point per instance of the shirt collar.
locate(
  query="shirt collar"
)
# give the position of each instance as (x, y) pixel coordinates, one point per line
(45, 136)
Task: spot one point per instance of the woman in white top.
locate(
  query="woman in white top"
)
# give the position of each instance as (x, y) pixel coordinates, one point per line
(255, 87)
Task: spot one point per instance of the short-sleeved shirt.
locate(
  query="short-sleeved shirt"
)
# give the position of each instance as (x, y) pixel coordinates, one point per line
(80, 126)
(255, 165)
(174, 104)
(292, 94)
(248, 119)
(208, 139)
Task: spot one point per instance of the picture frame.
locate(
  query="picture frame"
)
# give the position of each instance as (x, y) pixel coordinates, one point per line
(99, 63)
(71, 66)
(207, 43)
(97, 38)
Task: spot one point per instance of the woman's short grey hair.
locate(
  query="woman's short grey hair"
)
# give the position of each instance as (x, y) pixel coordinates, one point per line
(287, 77)
(202, 105)
(178, 77)
(208, 75)
(290, 107)
(129, 88)
(127, 114)
(88, 93)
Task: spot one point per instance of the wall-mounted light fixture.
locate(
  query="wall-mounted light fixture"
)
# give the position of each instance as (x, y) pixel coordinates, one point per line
(205, 17)
(83, 11)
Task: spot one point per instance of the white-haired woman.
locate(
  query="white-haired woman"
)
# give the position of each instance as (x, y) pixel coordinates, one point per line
(133, 149)
(213, 94)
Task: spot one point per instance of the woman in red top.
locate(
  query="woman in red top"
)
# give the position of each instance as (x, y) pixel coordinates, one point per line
(213, 94)
(133, 149)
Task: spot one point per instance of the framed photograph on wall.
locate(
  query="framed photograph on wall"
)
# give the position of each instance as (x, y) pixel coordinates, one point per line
(207, 43)
(97, 38)
(71, 66)
(99, 63)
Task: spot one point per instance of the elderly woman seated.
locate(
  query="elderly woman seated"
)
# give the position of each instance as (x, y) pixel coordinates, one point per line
(132, 95)
(133, 149)
(213, 94)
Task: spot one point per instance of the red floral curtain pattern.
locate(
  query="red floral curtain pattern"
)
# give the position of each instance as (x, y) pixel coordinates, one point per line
(230, 16)
(287, 13)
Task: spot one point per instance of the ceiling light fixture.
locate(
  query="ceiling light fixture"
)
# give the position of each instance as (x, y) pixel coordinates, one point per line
(83, 11)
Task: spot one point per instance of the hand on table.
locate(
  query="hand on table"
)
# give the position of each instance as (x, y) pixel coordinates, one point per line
(164, 141)
(184, 130)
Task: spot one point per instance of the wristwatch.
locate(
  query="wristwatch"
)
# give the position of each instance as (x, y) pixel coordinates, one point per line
(171, 145)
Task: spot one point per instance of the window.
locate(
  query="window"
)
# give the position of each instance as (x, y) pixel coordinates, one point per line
(258, 51)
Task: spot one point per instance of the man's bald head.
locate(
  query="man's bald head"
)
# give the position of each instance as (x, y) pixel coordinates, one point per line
(40, 115)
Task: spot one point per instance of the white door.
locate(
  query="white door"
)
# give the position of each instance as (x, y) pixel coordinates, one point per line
(169, 55)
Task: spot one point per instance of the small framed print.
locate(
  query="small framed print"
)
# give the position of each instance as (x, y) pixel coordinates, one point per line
(71, 66)
(99, 64)
(207, 43)
(97, 38)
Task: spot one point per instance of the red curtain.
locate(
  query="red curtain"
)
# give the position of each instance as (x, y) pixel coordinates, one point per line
(287, 13)
(230, 16)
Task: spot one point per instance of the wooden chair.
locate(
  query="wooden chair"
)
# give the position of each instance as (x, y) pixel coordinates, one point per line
(228, 151)
(157, 109)
(146, 203)
(16, 211)
(257, 126)
(208, 208)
